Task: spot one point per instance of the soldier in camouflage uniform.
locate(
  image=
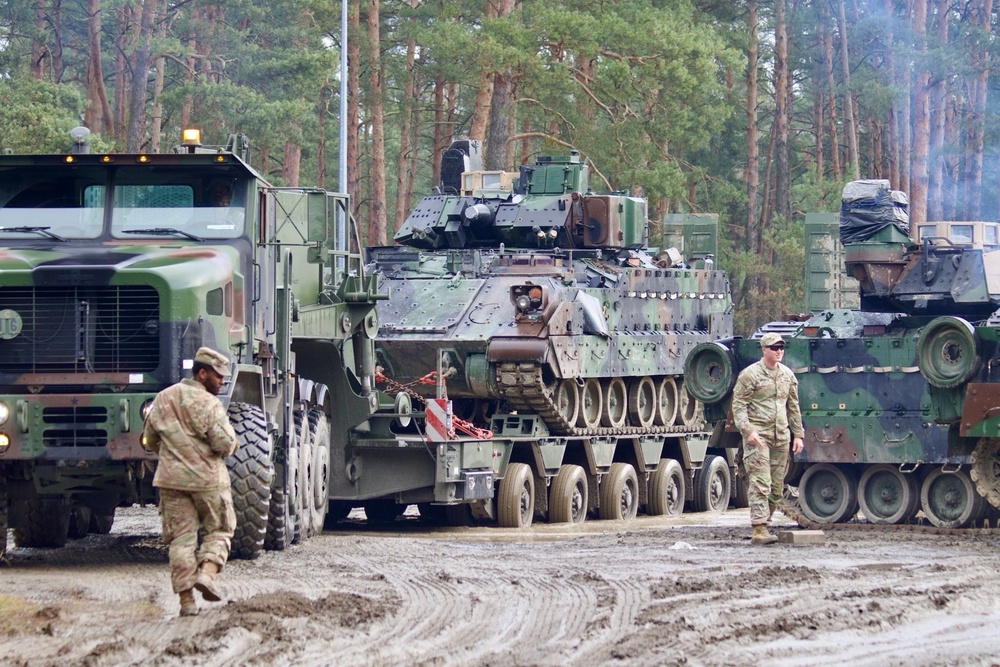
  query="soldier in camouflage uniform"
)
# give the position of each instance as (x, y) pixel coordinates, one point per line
(765, 409)
(188, 429)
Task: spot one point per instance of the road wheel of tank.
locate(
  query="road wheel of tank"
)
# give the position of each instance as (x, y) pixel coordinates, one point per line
(615, 407)
(948, 352)
(949, 499)
(985, 471)
(666, 402)
(828, 494)
(690, 411)
(41, 523)
(319, 435)
(666, 489)
(382, 512)
(709, 372)
(568, 495)
(712, 485)
(642, 402)
(888, 496)
(619, 493)
(516, 497)
(101, 520)
(591, 404)
(567, 400)
(251, 472)
(79, 521)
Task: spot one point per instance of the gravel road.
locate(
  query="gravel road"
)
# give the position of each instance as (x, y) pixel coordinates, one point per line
(690, 590)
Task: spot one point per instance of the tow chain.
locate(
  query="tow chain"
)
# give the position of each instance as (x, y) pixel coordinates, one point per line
(458, 424)
(790, 507)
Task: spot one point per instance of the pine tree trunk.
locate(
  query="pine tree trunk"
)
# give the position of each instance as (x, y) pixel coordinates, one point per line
(751, 176)
(437, 143)
(981, 14)
(831, 92)
(921, 119)
(137, 115)
(377, 215)
(782, 177)
(935, 185)
(98, 113)
(849, 117)
(352, 186)
(404, 177)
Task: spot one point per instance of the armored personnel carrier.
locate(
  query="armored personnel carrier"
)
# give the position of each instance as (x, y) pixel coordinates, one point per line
(899, 398)
(553, 327)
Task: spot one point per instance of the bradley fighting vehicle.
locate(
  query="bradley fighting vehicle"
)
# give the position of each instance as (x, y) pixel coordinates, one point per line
(114, 270)
(900, 398)
(533, 305)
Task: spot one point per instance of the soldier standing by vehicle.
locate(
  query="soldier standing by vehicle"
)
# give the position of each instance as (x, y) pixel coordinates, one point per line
(188, 429)
(765, 410)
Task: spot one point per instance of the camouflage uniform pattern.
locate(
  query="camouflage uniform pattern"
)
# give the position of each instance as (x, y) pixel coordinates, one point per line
(766, 401)
(189, 430)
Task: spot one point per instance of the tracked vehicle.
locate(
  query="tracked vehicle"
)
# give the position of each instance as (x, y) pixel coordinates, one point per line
(114, 270)
(558, 336)
(899, 397)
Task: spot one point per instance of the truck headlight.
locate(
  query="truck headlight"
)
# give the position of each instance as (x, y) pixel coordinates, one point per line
(4, 413)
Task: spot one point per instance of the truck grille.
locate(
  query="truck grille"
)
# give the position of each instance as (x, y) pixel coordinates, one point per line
(74, 329)
(75, 427)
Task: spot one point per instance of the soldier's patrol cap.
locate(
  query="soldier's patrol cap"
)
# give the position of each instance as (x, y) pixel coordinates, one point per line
(217, 360)
(770, 339)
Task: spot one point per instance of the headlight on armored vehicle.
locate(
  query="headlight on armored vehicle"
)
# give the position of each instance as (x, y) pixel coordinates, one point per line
(4, 413)
(145, 408)
(4, 442)
(527, 298)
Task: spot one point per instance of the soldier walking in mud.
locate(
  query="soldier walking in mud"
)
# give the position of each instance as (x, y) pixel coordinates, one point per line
(188, 429)
(766, 411)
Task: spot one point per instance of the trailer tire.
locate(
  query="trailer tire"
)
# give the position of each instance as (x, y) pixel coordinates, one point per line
(319, 436)
(251, 472)
(79, 521)
(101, 521)
(516, 497)
(666, 489)
(712, 485)
(619, 493)
(568, 495)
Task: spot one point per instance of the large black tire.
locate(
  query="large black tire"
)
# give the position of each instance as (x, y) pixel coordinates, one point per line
(3, 514)
(79, 521)
(283, 511)
(516, 497)
(568, 495)
(619, 493)
(41, 523)
(712, 485)
(337, 511)
(101, 520)
(319, 434)
(666, 489)
(251, 472)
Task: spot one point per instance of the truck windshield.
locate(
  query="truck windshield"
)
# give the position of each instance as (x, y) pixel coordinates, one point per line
(71, 203)
(33, 198)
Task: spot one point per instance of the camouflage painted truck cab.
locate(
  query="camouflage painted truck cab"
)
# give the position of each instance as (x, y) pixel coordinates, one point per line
(552, 326)
(114, 270)
(900, 397)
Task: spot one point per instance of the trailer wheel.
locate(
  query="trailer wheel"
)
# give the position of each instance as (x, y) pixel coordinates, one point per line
(251, 472)
(666, 489)
(568, 496)
(516, 497)
(319, 435)
(304, 528)
(712, 485)
(41, 522)
(619, 493)
(79, 521)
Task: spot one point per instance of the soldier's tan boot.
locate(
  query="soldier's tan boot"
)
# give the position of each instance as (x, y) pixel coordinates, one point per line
(205, 582)
(761, 535)
(189, 606)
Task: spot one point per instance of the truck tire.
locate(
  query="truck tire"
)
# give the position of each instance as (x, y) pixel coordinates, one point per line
(101, 521)
(42, 523)
(251, 472)
(568, 495)
(3, 514)
(666, 489)
(283, 510)
(619, 493)
(79, 521)
(712, 485)
(516, 497)
(319, 435)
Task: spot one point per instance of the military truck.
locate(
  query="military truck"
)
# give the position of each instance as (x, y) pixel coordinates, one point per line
(899, 397)
(114, 270)
(534, 307)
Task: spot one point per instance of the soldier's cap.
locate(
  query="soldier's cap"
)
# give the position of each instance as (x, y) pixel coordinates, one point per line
(217, 360)
(769, 339)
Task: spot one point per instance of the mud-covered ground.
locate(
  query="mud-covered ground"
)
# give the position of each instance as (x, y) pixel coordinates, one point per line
(690, 590)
